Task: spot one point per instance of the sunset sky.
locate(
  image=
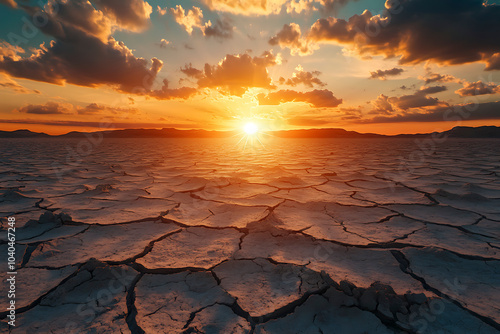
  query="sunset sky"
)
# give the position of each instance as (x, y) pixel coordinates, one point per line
(371, 66)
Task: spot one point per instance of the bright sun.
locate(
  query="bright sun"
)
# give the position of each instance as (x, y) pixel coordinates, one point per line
(251, 128)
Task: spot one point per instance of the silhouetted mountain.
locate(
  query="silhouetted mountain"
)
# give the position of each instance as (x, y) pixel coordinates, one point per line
(325, 133)
(22, 134)
(155, 133)
(470, 132)
(456, 132)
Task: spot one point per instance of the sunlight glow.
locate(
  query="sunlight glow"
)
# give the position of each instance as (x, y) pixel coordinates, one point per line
(251, 128)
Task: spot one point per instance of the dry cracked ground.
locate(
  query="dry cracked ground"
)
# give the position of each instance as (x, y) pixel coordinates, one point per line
(304, 236)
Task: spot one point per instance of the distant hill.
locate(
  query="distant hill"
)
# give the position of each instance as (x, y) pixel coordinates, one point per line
(22, 134)
(456, 132)
(325, 133)
(469, 132)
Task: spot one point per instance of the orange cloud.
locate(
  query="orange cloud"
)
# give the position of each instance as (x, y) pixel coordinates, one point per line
(290, 36)
(303, 77)
(194, 19)
(235, 74)
(246, 7)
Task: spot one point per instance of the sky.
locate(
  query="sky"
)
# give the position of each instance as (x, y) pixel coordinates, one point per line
(396, 66)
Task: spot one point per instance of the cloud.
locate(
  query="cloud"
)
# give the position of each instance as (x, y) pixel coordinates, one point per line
(269, 7)
(132, 15)
(116, 125)
(9, 3)
(300, 6)
(222, 28)
(9, 50)
(162, 11)
(95, 108)
(50, 108)
(192, 72)
(58, 108)
(388, 105)
(445, 32)
(235, 74)
(164, 43)
(383, 74)
(193, 18)
(436, 77)
(190, 20)
(457, 113)
(166, 93)
(478, 88)
(14, 86)
(316, 98)
(290, 36)
(302, 77)
(381, 105)
(78, 55)
(492, 62)
(246, 7)
(332, 6)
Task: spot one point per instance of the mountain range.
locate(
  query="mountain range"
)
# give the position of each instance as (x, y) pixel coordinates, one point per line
(456, 132)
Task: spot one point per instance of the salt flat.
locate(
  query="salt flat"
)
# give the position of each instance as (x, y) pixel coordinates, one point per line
(299, 236)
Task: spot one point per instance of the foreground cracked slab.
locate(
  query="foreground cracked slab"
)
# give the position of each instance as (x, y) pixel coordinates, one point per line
(467, 281)
(262, 287)
(165, 303)
(117, 243)
(91, 301)
(198, 247)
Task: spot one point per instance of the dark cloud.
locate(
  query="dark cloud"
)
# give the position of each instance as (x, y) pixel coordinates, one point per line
(316, 98)
(446, 31)
(192, 72)
(478, 88)
(308, 79)
(418, 99)
(388, 105)
(83, 53)
(223, 28)
(166, 93)
(493, 62)
(80, 57)
(436, 77)
(49, 108)
(469, 112)
(132, 15)
(116, 125)
(383, 74)
(54, 108)
(95, 108)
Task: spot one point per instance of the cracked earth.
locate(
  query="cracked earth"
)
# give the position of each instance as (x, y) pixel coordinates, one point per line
(305, 236)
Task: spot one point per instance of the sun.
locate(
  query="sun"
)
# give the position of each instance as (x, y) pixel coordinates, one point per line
(251, 128)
